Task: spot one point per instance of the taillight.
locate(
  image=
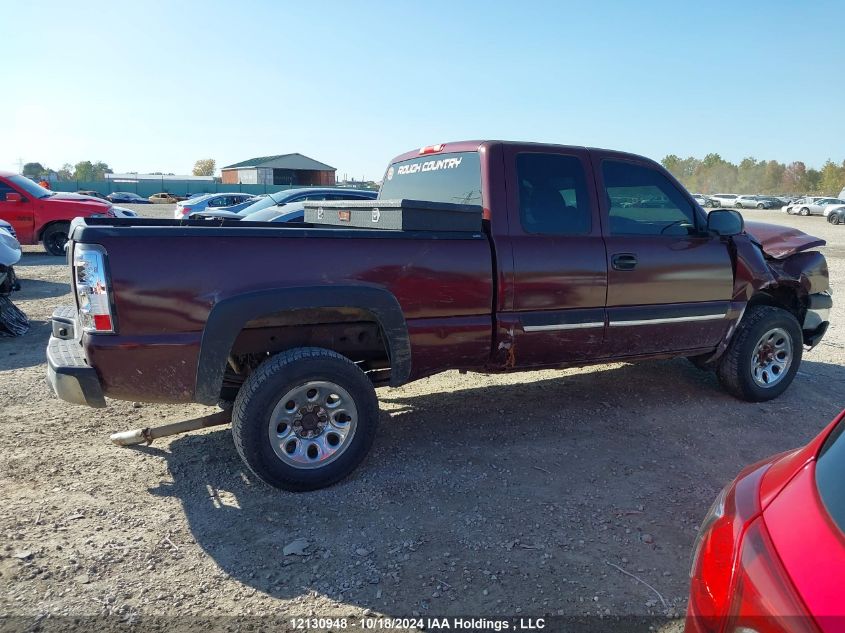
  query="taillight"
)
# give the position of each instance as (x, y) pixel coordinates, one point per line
(92, 291)
(185, 210)
(716, 550)
(764, 599)
(432, 149)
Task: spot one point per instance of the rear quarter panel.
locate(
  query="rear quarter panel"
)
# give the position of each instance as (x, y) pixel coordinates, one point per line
(165, 287)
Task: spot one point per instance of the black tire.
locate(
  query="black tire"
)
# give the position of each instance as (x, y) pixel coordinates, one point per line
(55, 237)
(833, 219)
(264, 389)
(739, 205)
(761, 206)
(735, 366)
(805, 211)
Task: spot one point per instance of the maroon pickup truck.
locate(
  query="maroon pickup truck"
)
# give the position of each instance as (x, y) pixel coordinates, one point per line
(583, 256)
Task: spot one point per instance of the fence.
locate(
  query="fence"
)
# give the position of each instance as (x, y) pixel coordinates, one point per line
(146, 188)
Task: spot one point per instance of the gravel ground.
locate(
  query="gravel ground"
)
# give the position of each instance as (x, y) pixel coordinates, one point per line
(523, 494)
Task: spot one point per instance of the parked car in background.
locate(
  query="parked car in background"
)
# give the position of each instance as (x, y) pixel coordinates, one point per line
(123, 212)
(770, 554)
(92, 193)
(828, 204)
(164, 198)
(836, 214)
(700, 199)
(40, 215)
(10, 254)
(812, 205)
(208, 201)
(773, 202)
(126, 197)
(292, 195)
(723, 199)
(290, 212)
(756, 202)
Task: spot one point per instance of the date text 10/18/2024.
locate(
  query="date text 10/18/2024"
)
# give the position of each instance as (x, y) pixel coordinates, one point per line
(428, 624)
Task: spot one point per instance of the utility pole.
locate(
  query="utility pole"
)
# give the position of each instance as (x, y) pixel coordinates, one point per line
(20, 165)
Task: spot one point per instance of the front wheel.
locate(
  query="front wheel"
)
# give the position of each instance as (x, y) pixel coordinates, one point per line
(54, 238)
(833, 219)
(763, 356)
(305, 419)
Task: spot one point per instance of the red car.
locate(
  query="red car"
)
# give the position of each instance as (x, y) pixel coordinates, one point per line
(40, 215)
(770, 555)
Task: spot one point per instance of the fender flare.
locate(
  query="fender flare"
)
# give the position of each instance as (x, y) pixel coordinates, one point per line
(229, 316)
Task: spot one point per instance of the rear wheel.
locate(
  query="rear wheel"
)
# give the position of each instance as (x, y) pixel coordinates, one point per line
(305, 419)
(763, 356)
(55, 237)
(761, 206)
(805, 211)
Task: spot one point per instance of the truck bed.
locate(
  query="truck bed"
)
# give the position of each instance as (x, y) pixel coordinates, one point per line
(168, 275)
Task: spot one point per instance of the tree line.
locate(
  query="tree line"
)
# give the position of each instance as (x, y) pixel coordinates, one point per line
(86, 170)
(713, 174)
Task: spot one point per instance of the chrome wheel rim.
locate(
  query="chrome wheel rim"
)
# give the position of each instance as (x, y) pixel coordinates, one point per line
(313, 424)
(771, 358)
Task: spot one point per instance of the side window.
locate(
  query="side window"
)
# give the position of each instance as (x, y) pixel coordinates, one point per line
(216, 202)
(643, 201)
(553, 194)
(4, 189)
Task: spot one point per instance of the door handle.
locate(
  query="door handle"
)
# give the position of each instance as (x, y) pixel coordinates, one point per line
(623, 261)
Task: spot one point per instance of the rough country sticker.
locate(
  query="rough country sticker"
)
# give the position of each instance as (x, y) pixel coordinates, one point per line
(430, 165)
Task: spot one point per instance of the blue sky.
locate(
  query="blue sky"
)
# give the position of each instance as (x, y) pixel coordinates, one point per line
(154, 86)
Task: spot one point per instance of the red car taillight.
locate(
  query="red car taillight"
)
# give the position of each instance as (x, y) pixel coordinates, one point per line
(186, 210)
(764, 599)
(735, 572)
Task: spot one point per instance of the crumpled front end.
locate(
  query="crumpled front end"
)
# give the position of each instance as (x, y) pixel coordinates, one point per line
(807, 270)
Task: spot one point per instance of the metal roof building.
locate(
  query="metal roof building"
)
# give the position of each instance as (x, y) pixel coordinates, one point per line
(282, 169)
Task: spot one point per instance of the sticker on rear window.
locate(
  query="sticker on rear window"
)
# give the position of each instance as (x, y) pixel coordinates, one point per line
(430, 165)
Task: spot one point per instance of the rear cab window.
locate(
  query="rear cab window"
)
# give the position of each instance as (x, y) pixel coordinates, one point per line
(451, 177)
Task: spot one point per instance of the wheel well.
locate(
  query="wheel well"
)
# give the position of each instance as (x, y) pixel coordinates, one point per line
(353, 332)
(785, 297)
(48, 225)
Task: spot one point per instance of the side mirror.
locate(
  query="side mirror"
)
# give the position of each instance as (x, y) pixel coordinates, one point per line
(725, 222)
(13, 197)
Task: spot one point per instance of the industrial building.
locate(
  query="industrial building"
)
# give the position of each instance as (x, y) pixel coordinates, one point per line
(283, 169)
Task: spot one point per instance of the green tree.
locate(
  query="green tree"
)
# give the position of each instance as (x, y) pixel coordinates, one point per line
(35, 170)
(66, 172)
(832, 179)
(86, 170)
(205, 167)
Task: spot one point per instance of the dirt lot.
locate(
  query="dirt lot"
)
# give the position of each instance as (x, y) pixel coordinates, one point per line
(484, 495)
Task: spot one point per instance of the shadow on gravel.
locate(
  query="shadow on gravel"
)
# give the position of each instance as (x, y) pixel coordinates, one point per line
(39, 289)
(17, 352)
(39, 258)
(470, 497)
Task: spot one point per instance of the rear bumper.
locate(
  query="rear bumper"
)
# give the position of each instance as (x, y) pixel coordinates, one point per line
(817, 318)
(69, 374)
